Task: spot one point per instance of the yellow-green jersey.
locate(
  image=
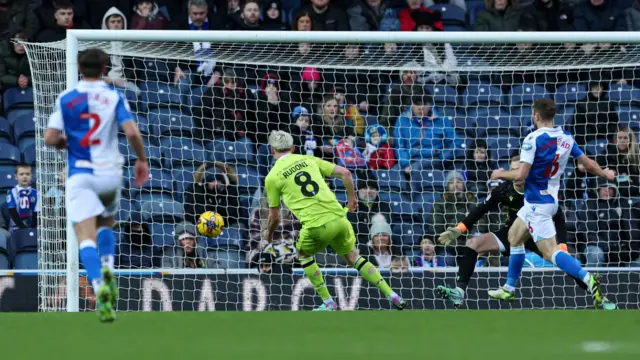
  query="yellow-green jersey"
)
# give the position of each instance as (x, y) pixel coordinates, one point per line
(299, 180)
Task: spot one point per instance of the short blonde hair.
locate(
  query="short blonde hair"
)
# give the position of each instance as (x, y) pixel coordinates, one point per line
(280, 140)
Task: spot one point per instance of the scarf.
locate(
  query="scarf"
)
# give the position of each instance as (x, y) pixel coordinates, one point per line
(202, 50)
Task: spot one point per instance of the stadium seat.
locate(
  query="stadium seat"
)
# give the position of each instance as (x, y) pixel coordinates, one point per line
(24, 248)
(183, 178)
(5, 130)
(426, 201)
(393, 179)
(526, 94)
(9, 155)
(465, 123)
(339, 185)
(162, 210)
(15, 114)
(228, 259)
(158, 94)
(451, 14)
(17, 98)
(194, 98)
(596, 147)
(264, 159)
(401, 208)
(126, 208)
(624, 94)
(182, 152)
(473, 8)
(341, 196)
(29, 155)
(148, 69)
(447, 111)
(153, 153)
(159, 182)
(629, 115)
(230, 238)
(568, 94)
(162, 234)
(225, 151)
(427, 180)
(24, 127)
(170, 122)
(482, 94)
(409, 235)
(495, 121)
(502, 146)
(442, 94)
(248, 179)
(26, 142)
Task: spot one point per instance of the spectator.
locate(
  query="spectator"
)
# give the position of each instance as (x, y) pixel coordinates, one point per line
(271, 110)
(187, 254)
(273, 16)
(369, 205)
(305, 142)
(63, 13)
(302, 22)
(233, 7)
(632, 16)
(599, 15)
(579, 185)
(17, 14)
(608, 228)
(357, 83)
(378, 153)
(423, 138)
(326, 17)
(478, 167)
(120, 69)
(215, 188)
(435, 56)
(198, 18)
(452, 208)
(147, 16)
(595, 118)
(547, 15)
(623, 156)
(329, 124)
(459, 3)
(136, 250)
(380, 249)
(14, 65)
(224, 108)
(91, 10)
(400, 96)
(249, 17)
(367, 15)
(23, 201)
(427, 258)
(349, 155)
(499, 15)
(407, 22)
(308, 92)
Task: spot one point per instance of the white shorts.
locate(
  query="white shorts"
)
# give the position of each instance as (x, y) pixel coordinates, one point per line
(90, 195)
(539, 220)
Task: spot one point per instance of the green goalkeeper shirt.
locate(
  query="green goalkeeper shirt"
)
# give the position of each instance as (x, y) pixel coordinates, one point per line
(299, 180)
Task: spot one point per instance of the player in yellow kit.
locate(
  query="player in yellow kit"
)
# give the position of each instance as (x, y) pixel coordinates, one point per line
(299, 180)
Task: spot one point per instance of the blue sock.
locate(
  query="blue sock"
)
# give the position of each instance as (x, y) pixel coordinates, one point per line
(107, 246)
(570, 265)
(91, 262)
(516, 262)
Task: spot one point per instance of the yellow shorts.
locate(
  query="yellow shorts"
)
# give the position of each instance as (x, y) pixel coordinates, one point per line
(336, 233)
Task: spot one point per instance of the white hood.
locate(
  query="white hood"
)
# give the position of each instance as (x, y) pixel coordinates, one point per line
(113, 11)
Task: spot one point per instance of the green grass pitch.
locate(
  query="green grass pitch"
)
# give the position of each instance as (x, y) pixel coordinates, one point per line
(368, 335)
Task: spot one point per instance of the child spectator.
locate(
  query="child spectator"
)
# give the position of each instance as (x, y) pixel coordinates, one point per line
(14, 65)
(147, 16)
(348, 154)
(233, 6)
(406, 21)
(378, 153)
(23, 201)
(273, 16)
(478, 168)
(304, 140)
(346, 107)
(427, 258)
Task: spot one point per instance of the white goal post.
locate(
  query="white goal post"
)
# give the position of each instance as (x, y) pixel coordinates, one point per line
(494, 53)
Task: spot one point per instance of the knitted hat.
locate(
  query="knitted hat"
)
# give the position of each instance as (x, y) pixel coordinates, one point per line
(453, 174)
(299, 111)
(310, 74)
(184, 228)
(379, 227)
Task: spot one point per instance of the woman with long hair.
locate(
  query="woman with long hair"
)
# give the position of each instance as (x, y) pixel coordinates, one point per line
(623, 156)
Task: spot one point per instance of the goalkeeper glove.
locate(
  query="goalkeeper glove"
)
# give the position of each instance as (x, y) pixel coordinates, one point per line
(451, 234)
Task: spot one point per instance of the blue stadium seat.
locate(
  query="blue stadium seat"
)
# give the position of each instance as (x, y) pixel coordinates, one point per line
(230, 238)
(524, 112)
(228, 259)
(162, 234)
(502, 146)
(153, 153)
(393, 179)
(170, 122)
(339, 185)
(29, 155)
(448, 111)
(465, 123)
(194, 98)
(158, 94)
(427, 180)
(25, 142)
(526, 94)
(564, 115)
(17, 98)
(159, 182)
(7, 180)
(624, 94)
(131, 97)
(482, 94)
(425, 202)
(24, 126)
(5, 264)
(451, 14)
(473, 8)
(442, 94)
(126, 208)
(182, 177)
(264, 159)
(152, 70)
(629, 115)
(15, 114)
(24, 248)
(232, 152)
(410, 235)
(401, 208)
(341, 196)
(163, 210)
(248, 179)
(9, 155)
(494, 120)
(5, 130)
(596, 147)
(182, 152)
(570, 93)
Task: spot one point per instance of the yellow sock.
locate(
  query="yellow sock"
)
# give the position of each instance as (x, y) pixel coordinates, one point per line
(312, 270)
(372, 275)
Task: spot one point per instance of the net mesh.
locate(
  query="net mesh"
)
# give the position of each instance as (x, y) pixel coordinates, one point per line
(205, 129)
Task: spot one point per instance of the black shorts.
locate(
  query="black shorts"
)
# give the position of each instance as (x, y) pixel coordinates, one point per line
(503, 236)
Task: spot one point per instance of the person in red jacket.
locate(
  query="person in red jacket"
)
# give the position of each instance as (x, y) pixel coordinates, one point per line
(378, 153)
(406, 21)
(147, 16)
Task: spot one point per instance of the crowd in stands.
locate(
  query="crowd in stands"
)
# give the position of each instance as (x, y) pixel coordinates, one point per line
(422, 144)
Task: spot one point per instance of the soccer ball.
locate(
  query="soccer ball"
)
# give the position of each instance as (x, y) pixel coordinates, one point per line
(210, 224)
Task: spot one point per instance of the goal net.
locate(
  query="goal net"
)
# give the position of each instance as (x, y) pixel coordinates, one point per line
(421, 125)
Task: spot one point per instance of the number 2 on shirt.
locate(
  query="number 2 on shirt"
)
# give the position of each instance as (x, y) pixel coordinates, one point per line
(553, 168)
(86, 141)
